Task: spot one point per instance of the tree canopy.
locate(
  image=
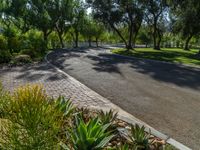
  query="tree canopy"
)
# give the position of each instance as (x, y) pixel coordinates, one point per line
(124, 18)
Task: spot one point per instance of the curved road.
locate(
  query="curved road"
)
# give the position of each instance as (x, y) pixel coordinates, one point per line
(166, 96)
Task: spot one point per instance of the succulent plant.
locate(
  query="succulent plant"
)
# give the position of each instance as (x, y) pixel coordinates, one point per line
(91, 135)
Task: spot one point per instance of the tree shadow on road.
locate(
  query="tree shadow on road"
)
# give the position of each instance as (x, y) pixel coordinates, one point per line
(33, 73)
(170, 73)
(106, 62)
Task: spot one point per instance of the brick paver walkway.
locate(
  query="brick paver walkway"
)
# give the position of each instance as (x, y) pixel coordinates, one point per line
(55, 83)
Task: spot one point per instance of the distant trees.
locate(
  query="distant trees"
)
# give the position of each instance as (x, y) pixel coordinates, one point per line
(118, 14)
(144, 36)
(125, 18)
(155, 16)
(186, 19)
(78, 19)
(64, 11)
(92, 30)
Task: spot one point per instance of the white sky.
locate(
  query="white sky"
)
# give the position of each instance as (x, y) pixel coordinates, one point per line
(89, 10)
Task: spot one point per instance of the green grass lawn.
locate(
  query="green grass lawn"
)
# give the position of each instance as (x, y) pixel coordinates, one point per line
(165, 54)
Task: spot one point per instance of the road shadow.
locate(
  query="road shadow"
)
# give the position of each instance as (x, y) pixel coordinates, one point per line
(171, 73)
(32, 73)
(105, 62)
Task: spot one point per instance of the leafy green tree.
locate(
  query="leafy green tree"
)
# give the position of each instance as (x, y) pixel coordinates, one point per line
(26, 14)
(77, 22)
(144, 36)
(88, 30)
(42, 16)
(155, 10)
(15, 12)
(119, 14)
(65, 12)
(92, 30)
(186, 19)
(99, 29)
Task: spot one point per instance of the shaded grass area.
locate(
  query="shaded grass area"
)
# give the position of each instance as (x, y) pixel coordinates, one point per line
(166, 54)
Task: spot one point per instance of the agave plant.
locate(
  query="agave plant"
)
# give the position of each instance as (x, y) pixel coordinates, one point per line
(85, 114)
(139, 137)
(107, 117)
(91, 135)
(64, 106)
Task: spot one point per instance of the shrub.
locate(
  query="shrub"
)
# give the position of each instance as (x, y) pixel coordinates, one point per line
(29, 52)
(36, 42)
(31, 121)
(4, 100)
(91, 135)
(3, 45)
(139, 137)
(5, 56)
(14, 44)
(13, 41)
(54, 41)
(22, 59)
(64, 106)
(33, 45)
(107, 117)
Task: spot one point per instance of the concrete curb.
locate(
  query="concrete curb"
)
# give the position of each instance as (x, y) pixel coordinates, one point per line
(123, 115)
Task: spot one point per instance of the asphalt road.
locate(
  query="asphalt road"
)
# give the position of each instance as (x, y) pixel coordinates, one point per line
(166, 96)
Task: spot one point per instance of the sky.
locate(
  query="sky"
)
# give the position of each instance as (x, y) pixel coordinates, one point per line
(89, 10)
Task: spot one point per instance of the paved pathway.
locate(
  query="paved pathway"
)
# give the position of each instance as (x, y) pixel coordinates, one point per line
(166, 96)
(55, 83)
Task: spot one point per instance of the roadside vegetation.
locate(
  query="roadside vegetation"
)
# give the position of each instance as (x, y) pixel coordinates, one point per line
(175, 55)
(29, 119)
(30, 28)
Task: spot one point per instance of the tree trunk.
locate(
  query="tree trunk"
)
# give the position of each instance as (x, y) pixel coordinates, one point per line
(76, 39)
(60, 33)
(155, 30)
(130, 36)
(46, 33)
(120, 35)
(159, 40)
(89, 42)
(155, 44)
(45, 38)
(136, 29)
(97, 44)
(154, 41)
(187, 43)
(61, 40)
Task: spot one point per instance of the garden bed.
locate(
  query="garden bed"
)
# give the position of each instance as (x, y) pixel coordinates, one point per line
(31, 120)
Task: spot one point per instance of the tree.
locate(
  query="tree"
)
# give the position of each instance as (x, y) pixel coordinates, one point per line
(144, 36)
(98, 32)
(118, 14)
(155, 10)
(16, 13)
(88, 30)
(42, 16)
(64, 9)
(187, 19)
(92, 30)
(77, 22)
